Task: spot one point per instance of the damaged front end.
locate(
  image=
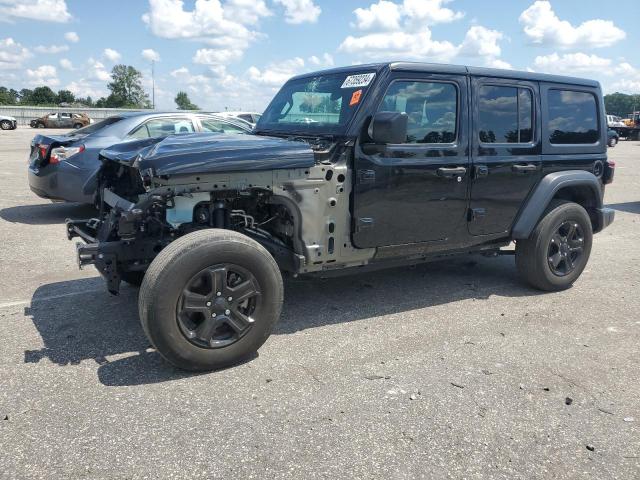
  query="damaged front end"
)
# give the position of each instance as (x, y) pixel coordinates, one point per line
(154, 191)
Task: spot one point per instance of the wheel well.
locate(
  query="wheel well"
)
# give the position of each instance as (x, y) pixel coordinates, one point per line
(584, 196)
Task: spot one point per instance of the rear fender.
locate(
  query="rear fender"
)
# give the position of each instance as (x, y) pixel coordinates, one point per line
(550, 187)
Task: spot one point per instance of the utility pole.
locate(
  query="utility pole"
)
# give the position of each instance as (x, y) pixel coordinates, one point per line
(153, 86)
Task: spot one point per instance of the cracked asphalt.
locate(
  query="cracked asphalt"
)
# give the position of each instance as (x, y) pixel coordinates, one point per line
(447, 370)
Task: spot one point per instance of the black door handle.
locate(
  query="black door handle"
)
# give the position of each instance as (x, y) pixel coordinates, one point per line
(524, 168)
(451, 172)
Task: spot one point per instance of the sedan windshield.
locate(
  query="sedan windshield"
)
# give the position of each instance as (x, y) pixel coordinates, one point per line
(323, 104)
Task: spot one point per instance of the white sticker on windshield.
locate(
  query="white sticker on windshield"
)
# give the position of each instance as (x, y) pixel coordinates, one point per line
(355, 81)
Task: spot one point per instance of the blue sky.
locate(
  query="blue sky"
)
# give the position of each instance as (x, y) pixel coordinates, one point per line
(236, 53)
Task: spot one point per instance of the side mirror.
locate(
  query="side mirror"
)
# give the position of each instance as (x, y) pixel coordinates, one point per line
(389, 127)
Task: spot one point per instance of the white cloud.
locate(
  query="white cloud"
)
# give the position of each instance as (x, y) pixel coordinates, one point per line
(111, 54)
(210, 21)
(497, 63)
(626, 85)
(51, 49)
(12, 54)
(66, 64)
(44, 10)
(543, 27)
(72, 37)
(429, 12)
(97, 71)
(400, 45)
(150, 55)
(481, 42)
(300, 11)
(570, 63)
(402, 31)
(218, 56)
(84, 88)
(43, 75)
(383, 15)
(325, 61)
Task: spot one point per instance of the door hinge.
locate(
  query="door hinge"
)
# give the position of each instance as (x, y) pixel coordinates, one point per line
(476, 214)
(364, 223)
(366, 176)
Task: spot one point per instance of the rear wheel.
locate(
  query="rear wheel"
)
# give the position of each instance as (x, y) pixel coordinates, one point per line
(557, 251)
(77, 125)
(210, 299)
(613, 141)
(5, 125)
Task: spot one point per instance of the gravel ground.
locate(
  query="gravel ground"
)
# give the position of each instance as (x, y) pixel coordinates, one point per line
(452, 369)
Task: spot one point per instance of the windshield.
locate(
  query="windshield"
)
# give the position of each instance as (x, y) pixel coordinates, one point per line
(93, 128)
(324, 104)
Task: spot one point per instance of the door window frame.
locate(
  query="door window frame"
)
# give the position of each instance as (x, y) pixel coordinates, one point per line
(426, 80)
(517, 86)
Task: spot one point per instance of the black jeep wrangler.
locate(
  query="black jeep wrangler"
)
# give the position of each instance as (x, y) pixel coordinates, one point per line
(349, 169)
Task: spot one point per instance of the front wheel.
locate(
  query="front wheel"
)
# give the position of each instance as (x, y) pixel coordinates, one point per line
(210, 299)
(77, 126)
(6, 125)
(613, 142)
(557, 251)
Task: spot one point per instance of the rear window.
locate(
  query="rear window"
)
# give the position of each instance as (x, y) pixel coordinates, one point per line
(573, 117)
(93, 128)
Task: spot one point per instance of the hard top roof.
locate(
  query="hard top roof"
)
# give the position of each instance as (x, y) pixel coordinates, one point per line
(459, 70)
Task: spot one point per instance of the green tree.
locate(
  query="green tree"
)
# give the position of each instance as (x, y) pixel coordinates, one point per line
(65, 96)
(621, 104)
(8, 96)
(25, 96)
(126, 88)
(184, 103)
(43, 96)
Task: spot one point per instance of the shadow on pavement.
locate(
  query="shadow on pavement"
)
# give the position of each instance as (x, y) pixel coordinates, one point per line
(103, 328)
(629, 207)
(46, 213)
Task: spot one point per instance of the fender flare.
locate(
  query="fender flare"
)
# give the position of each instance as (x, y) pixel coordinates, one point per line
(544, 193)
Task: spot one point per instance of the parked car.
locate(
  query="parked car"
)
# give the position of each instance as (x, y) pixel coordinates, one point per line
(62, 167)
(403, 163)
(249, 117)
(8, 123)
(61, 120)
(612, 138)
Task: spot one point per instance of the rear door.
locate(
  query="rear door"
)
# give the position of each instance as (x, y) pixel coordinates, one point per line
(505, 149)
(415, 191)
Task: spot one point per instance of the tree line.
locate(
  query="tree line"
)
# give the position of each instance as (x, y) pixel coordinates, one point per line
(621, 104)
(126, 91)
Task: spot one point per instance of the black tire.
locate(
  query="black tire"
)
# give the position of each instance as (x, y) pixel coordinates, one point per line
(77, 126)
(39, 125)
(6, 125)
(168, 278)
(133, 278)
(533, 259)
(613, 142)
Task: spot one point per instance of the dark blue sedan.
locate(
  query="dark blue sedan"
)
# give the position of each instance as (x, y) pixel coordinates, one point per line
(61, 165)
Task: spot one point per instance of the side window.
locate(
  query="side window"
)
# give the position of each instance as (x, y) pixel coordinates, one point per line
(432, 109)
(161, 127)
(505, 114)
(573, 117)
(218, 126)
(141, 132)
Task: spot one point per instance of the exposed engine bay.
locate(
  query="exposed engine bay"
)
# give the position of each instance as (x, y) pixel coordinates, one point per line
(301, 216)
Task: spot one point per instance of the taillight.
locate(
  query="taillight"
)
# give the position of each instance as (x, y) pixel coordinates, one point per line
(43, 150)
(63, 153)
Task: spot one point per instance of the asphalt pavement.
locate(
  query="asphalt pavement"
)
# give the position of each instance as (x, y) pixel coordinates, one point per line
(453, 369)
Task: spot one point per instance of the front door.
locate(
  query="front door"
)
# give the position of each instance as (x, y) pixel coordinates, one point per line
(505, 150)
(415, 191)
